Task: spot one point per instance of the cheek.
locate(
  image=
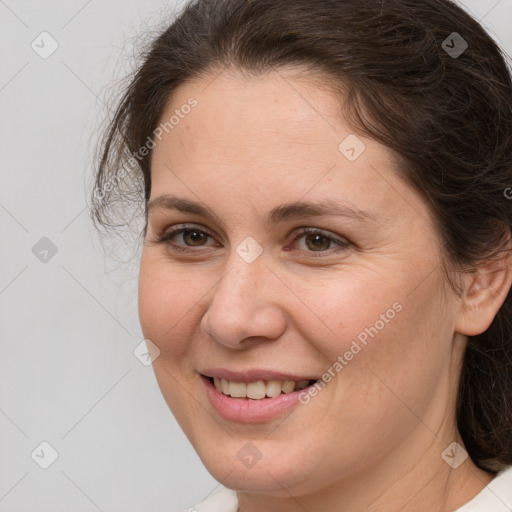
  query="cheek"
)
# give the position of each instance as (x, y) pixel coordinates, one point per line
(388, 350)
(348, 312)
(369, 330)
(168, 304)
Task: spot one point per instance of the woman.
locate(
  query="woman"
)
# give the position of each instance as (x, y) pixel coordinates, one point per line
(326, 272)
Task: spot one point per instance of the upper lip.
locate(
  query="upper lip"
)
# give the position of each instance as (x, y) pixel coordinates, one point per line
(253, 375)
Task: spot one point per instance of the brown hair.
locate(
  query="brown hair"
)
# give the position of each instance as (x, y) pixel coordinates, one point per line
(411, 84)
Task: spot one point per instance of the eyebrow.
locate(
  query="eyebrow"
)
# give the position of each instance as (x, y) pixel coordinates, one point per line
(286, 212)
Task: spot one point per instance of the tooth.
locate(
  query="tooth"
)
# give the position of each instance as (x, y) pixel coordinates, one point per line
(256, 390)
(237, 389)
(301, 384)
(273, 388)
(288, 386)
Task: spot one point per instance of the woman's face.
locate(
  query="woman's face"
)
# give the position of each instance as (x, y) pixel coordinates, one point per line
(357, 301)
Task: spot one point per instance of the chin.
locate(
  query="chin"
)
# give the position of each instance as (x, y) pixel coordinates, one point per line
(238, 466)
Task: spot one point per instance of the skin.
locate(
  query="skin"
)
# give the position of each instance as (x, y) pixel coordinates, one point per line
(373, 438)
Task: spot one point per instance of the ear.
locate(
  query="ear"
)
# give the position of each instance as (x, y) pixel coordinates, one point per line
(485, 290)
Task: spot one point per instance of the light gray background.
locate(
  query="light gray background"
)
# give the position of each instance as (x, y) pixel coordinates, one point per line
(69, 325)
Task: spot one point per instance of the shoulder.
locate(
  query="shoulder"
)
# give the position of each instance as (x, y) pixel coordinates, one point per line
(224, 500)
(495, 497)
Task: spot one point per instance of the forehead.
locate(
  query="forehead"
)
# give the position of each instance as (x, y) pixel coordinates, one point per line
(274, 134)
(278, 107)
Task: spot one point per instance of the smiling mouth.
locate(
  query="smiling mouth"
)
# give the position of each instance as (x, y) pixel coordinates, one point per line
(257, 390)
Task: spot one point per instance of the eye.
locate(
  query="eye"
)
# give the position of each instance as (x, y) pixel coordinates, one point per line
(185, 238)
(315, 240)
(311, 240)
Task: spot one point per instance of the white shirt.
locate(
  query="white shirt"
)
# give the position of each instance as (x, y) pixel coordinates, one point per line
(495, 497)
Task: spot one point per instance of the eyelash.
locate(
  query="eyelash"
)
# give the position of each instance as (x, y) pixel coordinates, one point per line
(166, 239)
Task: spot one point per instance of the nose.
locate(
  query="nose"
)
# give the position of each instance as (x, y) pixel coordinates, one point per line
(245, 307)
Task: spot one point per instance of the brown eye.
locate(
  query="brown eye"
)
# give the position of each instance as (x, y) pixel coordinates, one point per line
(318, 242)
(186, 238)
(313, 240)
(194, 238)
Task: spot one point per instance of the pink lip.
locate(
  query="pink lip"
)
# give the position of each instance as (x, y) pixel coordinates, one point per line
(253, 375)
(246, 410)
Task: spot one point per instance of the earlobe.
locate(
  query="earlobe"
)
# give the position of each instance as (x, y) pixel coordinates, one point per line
(484, 293)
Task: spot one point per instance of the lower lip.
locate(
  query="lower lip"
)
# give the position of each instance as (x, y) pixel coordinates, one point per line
(250, 411)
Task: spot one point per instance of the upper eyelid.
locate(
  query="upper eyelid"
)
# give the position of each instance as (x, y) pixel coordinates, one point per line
(171, 233)
(185, 227)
